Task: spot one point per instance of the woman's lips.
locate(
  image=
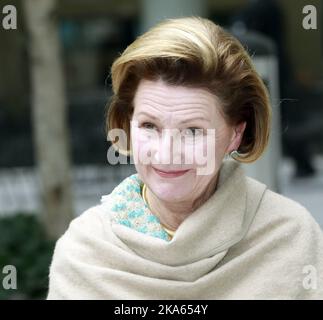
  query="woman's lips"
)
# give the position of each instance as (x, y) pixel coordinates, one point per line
(170, 174)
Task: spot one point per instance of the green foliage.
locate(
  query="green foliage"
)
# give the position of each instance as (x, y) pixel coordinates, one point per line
(23, 243)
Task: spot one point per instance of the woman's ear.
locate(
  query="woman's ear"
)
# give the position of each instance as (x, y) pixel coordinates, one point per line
(237, 135)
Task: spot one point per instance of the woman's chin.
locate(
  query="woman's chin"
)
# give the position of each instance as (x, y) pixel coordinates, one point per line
(171, 193)
(167, 198)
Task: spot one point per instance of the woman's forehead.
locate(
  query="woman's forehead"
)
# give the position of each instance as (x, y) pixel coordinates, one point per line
(161, 97)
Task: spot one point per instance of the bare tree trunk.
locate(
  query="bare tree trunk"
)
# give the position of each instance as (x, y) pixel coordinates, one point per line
(49, 115)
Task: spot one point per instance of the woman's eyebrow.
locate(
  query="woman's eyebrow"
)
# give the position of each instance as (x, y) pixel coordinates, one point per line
(185, 121)
(147, 114)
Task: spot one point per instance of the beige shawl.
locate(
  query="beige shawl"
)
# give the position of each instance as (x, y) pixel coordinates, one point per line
(245, 242)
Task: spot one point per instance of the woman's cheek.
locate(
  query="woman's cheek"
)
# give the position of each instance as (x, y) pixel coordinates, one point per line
(188, 154)
(197, 152)
(145, 145)
(206, 157)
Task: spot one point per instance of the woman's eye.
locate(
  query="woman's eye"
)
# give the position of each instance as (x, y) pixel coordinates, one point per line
(148, 125)
(193, 131)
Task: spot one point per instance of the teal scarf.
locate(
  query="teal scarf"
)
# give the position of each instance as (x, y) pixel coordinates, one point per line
(129, 209)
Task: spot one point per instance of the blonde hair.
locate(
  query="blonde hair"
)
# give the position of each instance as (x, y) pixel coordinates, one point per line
(197, 53)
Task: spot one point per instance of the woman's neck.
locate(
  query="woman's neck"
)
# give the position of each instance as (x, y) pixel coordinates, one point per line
(172, 214)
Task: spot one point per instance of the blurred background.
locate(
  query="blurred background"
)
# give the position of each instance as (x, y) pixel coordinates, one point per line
(55, 85)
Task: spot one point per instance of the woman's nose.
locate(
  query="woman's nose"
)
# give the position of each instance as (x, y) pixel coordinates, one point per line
(169, 147)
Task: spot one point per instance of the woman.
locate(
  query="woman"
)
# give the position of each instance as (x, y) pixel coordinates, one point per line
(183, 226)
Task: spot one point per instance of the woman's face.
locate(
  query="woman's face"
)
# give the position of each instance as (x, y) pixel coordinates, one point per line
(174, 152)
